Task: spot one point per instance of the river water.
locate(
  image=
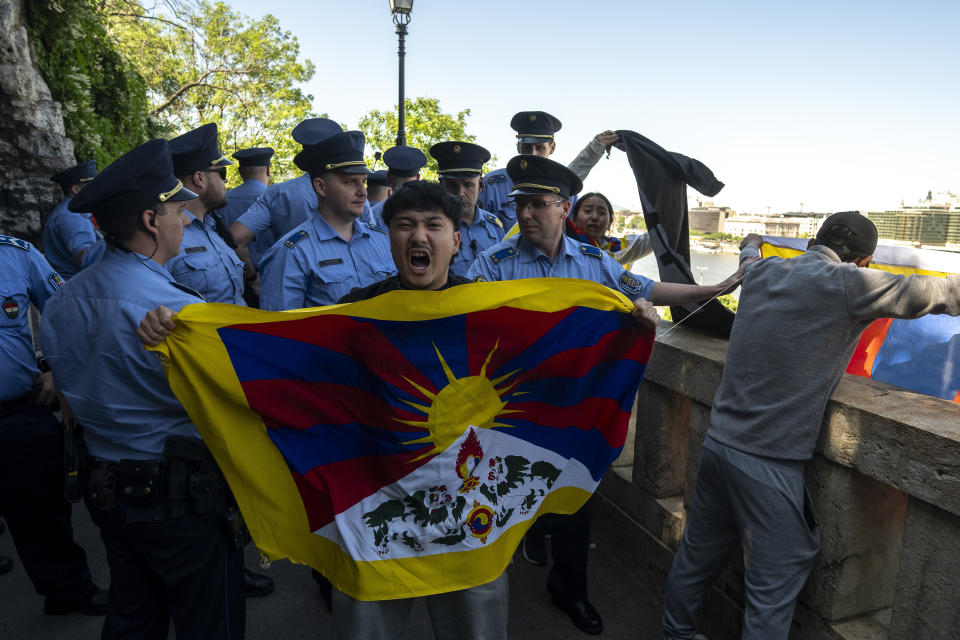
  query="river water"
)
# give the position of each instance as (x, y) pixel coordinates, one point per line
(707, 268)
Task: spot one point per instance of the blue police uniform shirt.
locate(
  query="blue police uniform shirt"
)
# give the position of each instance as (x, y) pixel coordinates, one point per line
(205, 263)
(313, 266)
(515, 258)
(240, 198)
(117, 388)
(282, 207)
(475, 238)
(496, 186)
(25, 277)
(65, 235)
(373, 214)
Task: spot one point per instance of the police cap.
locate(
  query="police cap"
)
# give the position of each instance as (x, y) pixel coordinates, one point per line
(254, 156)
(534, 175)
(83, 172)
(378, 179)
(459, 159)
(314, 130)
(135, 181)
(533, 127)
(341, 153)
(405, 162)
(197, 150)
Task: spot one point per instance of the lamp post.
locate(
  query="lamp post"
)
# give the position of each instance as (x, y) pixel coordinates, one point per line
(401, 17)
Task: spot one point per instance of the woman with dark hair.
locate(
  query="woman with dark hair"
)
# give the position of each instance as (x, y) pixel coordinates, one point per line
(590, 221)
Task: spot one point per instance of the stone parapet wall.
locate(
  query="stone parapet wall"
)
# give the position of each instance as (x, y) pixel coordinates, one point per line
(885, 481)
(33, 145)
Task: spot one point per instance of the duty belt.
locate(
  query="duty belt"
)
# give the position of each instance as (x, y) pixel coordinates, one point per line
(16, 405)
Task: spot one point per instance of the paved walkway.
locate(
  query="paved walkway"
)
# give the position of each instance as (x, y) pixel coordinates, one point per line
(630, 608)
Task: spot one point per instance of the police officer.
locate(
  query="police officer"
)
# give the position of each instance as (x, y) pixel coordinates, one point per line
(321, 260)
(461, 166)
(282, 206)
(253, 165)
(378, 188)
(151, 487)
(31, 444)
(403, 165)
(206, 261)
(542, 190)
(70, 241)
(535, 136)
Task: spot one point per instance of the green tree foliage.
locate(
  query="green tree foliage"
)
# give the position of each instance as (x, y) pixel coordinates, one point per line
(204, 62)
(104, 101)
(425, 125)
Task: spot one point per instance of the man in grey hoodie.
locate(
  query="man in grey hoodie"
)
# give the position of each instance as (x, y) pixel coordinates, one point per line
(796, 327)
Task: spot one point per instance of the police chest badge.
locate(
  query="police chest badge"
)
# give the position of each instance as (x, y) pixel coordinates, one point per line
(11, 308)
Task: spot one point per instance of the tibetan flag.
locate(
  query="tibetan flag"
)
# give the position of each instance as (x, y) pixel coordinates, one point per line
(921, 355)
(403, 445)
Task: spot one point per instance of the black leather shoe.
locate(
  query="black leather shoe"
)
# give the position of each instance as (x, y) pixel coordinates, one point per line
(6, 565)
(256, 584)
(534, 549)
(582, 614)
(95, 605)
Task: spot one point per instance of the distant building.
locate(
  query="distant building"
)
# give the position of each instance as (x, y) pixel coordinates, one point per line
(707, 218)
(935, 221)
(784, 226)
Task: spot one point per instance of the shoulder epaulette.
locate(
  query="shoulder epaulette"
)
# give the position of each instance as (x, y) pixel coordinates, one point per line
(495, 220)
(374, 227)
(291, 242)
(16, 242)
(495, 177)
(590, 250)
(503, 254)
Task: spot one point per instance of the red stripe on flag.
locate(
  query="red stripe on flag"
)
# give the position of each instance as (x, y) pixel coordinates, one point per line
(334, 488)
(602, 414)
(352, 337)
(516, 330)
(300, 405)
(625, 344)
(861, 363)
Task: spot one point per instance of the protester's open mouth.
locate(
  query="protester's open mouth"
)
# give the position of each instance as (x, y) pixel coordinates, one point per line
(419, 260)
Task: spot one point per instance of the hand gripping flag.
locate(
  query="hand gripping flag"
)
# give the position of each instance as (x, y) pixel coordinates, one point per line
(921, 354)
(403, 445)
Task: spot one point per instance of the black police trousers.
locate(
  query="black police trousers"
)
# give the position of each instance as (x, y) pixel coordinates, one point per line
(569, 547)
(38, 516)
(181, 568)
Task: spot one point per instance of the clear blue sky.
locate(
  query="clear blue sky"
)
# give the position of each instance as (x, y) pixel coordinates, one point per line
(840, 105)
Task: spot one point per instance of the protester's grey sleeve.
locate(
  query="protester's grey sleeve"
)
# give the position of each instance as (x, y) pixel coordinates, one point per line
(587, 159)
(872, 293)
(640, 245)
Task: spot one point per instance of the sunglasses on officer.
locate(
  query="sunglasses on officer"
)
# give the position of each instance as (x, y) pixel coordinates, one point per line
(222, 171)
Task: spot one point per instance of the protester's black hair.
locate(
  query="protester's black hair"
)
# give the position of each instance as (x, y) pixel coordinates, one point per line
(592, 194)
(846, 254)
(420, 195)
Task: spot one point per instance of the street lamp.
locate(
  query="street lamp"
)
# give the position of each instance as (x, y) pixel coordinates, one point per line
(401, 17)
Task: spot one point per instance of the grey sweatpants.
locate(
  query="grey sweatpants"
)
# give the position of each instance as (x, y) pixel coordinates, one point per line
(759, 503)
(479, 613)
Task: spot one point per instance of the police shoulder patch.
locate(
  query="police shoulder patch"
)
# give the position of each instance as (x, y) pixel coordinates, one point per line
(55, 279)
(504, 254)
(292, 241)
(495, 177)
(629, 283)
(377, 228)
(15, 242)
(494, 219)
(590, 250)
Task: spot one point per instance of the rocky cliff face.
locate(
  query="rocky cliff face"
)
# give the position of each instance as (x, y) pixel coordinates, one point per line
(33, 145)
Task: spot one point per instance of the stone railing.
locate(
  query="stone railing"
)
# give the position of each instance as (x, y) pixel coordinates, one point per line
(885, 481)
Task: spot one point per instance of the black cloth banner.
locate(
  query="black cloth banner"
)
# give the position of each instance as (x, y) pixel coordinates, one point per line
(662, 178)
